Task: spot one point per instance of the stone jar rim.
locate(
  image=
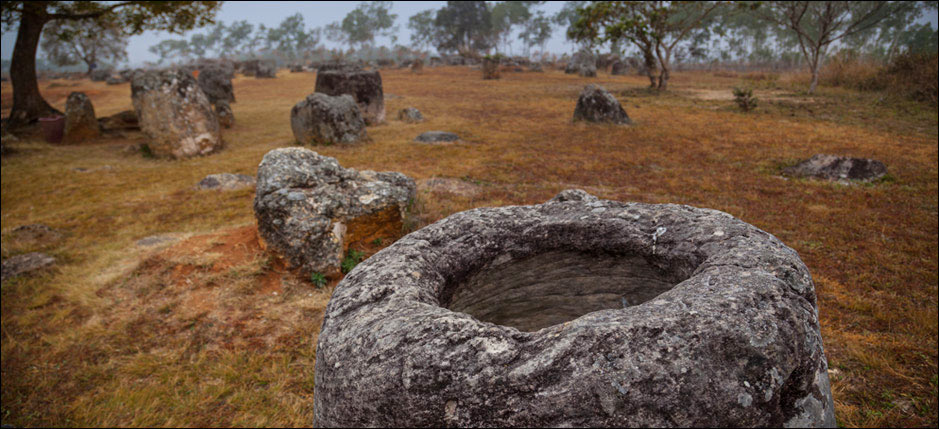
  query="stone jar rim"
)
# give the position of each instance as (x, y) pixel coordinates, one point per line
(731, 275)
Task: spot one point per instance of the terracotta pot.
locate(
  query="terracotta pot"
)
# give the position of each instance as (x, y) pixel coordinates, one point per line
(52, 128)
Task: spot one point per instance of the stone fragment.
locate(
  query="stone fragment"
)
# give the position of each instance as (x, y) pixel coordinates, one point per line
(25, 264)
(436, 137)
(80, 123)
(267, 69)
(417, 66)
(226, 117)
(99, 75)
(410, 115)
(35, 234)
(364, 87)
(833, 167)
(225, 182)
(115, 80)
(215, 81)
(597, 105)
(157, 240)
(619, 68)
(578, 312)
(311, 210)
(324, 119)
(490, 68)
(175, 114)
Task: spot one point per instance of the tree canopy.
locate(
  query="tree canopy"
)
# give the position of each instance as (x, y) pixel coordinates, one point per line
(134, 17)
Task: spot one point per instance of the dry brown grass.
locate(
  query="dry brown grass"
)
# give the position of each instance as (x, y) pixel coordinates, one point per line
(130, 337)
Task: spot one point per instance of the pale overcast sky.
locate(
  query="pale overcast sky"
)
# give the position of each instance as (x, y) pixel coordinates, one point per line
(315, 14)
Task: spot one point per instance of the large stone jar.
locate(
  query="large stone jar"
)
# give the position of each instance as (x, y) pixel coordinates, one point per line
(576, 312)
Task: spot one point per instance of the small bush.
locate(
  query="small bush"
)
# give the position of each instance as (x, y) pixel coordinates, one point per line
(353, 257)
(318, 280)
(914, 76)
(745, 99)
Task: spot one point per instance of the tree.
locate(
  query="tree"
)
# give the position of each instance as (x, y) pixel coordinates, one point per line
(133, 16)
(655, 27)
(507, 15)
(365, 22)
(817, 24)
(465, 27)
(537, 31)
(171, 48)
(423, 30)
(67, 43)
(291, 39)
(567, 16)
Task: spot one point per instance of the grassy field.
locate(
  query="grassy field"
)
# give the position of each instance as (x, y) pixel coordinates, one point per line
(209, 330)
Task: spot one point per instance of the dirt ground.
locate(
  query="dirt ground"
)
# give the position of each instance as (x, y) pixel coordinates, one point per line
(204, 328)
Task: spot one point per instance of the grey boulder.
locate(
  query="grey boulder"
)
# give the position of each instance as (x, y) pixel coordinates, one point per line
(410, 115)
(596, 104)
(80, 123)
(583, 63)
(310, 210)
(225, 182)
(25, 264)
(577, 312)
(324, 119)
(226, 118)
(175, 114)
(364, 86)
(832, 167)
(436, 137)
(215, 81)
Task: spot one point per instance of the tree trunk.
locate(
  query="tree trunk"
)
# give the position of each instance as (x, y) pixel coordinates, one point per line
(28, 104)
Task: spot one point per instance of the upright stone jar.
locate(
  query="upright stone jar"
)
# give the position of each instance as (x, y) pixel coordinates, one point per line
(576, 312)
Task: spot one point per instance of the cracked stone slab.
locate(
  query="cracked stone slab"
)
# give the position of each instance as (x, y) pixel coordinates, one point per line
(576, 312)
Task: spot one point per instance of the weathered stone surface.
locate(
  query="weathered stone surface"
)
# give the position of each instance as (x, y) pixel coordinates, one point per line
(583, 63)
(364, 86)
(296, 68)
(175, 114)
(115, 80)
(490, 68)
(225, 182)
(597, 105)
(417, 66)
(99, 75)
(536, 67)
(833, 167)
(311, 210)
(577, 312)
(80, 123)
(215, 81)
(337, 66)
(324, 119)
(436, 137)
(619, 68)
(25, 264)
(33, 235)
(410, 115)
(267, 69)
(226, 117)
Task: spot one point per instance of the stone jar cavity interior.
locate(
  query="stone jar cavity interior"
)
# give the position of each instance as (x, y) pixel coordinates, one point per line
(531, 292)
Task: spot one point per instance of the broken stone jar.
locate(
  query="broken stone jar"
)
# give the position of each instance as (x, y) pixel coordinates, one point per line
(576, 312)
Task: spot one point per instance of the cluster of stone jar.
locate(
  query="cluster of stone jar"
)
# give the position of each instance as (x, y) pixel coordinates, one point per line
(575, 312)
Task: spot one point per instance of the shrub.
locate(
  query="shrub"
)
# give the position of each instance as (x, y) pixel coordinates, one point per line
(318, 280)
(745, 99)
(914, 76)
(353, 257)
